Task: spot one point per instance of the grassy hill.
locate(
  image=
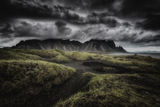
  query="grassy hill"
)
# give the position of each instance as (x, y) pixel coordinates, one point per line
(22, 81)
(38, 78)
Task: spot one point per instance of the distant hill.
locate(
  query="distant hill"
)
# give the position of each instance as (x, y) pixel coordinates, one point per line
(67, 45)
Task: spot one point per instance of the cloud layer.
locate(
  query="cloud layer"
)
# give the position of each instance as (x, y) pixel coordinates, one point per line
(124, 32)
(128, 22)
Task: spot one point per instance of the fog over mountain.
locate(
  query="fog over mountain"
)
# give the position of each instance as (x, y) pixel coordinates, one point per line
(133, 24)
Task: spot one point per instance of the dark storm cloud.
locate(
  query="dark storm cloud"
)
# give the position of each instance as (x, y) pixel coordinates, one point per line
(60, 24)
(31, 8)
(141, 7)
(24, 29)
(150, 39)
(112, 28)
(6, 28)
(124, 32)
(49, 7)
(87, 3)
(81, 20)
(32, 28)
(151, 22)
(37, 9)
(61, 9)
(132, 7)
(62, 27)
(147, 9)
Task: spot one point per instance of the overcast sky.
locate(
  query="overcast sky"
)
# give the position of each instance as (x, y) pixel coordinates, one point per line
(133, 24)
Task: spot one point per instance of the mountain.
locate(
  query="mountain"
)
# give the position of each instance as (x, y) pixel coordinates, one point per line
(67, 45)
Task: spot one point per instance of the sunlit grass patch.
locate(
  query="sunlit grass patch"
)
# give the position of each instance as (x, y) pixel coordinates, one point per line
(42, 53)
(17, 54)
(80, 56)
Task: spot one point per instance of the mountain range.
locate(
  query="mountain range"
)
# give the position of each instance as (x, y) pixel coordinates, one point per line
(67, 45)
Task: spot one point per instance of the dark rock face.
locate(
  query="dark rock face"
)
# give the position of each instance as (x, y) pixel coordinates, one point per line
(67, 45)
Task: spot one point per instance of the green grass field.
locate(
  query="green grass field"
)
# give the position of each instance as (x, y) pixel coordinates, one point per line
(53, 78)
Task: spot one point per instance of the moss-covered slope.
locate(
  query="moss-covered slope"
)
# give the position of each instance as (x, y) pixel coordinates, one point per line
(38, 78)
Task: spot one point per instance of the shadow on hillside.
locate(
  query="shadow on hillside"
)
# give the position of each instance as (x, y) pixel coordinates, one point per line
(107, 68)
(66, 90)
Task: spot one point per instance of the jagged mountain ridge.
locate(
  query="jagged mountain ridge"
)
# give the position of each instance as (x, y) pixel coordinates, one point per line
(67, 45)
